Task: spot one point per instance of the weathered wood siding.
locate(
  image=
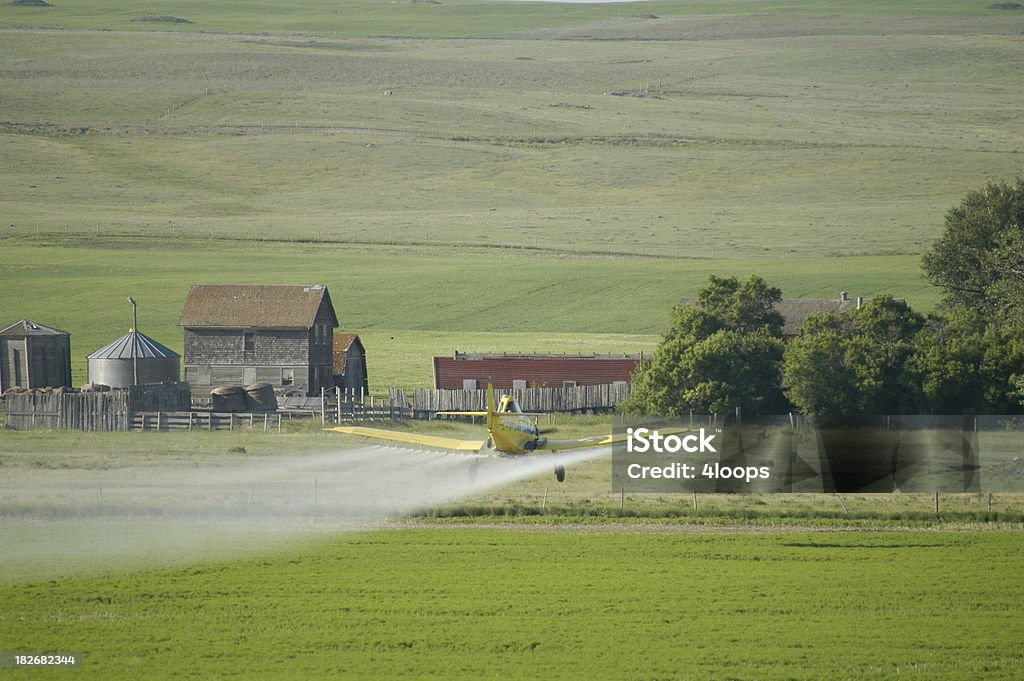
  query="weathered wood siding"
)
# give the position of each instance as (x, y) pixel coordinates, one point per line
(218, 357)
(225, 347)
(45, 362)
(349, 364)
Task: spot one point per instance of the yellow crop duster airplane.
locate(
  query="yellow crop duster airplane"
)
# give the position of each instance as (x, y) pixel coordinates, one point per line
(511, 432)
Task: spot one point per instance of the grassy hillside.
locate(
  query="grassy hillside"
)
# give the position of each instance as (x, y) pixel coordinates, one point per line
(733, 129)
(456, 18)
(447, 18)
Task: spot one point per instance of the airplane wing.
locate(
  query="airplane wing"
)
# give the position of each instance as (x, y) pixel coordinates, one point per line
(413, 438)
(598, 440)
(592, 441)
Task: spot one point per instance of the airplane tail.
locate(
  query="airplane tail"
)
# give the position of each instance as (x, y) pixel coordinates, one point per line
(492, 414)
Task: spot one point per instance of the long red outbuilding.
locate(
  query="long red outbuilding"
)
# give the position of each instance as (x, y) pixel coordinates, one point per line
(466, 371)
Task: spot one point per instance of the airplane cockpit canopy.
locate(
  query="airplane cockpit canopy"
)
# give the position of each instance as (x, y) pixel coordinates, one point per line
(509, 405)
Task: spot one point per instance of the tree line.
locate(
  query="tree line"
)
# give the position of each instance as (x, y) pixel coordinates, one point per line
(726, 350)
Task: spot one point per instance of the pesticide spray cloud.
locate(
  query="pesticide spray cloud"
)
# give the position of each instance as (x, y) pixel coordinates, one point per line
(55, 522)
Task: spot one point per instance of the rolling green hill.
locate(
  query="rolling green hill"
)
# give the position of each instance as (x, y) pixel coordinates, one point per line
(553, 174)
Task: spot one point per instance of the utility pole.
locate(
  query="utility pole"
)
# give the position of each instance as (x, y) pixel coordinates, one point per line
(135, 342)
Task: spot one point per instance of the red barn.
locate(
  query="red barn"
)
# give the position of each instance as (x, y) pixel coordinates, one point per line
(471, 371)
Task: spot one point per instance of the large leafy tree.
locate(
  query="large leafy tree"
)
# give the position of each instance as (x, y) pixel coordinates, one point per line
(979, 258)
(721, 352)
(968, 366)
(884, 333)
(855, 363)
(971, 360)
(818, 372)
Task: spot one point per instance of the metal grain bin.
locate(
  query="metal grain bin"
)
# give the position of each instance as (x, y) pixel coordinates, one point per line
(113, 364)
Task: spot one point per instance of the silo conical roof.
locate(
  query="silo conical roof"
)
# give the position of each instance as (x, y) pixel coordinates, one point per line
(146, 348)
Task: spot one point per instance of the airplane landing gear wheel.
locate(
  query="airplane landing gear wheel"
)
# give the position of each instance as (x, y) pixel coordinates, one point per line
(560, 473)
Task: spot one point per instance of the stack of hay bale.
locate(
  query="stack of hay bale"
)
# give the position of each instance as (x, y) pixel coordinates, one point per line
(235, 398)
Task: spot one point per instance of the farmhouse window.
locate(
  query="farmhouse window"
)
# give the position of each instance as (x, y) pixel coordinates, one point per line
(568, 384)
(249, 341)
(321, 334)
(287, 376)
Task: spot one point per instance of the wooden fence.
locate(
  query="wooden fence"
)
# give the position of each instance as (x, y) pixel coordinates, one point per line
(102, 411)
(78, 411)
(581, 399)
(166, 407)
(206, 420)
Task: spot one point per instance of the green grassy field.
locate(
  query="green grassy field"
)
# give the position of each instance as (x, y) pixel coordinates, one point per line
(407, 304)
(634, 604)
(424, 160)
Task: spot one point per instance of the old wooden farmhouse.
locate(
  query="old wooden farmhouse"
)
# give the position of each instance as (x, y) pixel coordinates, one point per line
(241, 335)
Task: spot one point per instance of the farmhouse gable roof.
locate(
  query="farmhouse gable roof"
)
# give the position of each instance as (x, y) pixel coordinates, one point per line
(795, 310)
(258, 307)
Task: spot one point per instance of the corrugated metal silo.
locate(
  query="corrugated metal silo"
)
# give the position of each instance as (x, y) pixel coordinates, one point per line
(112, 364)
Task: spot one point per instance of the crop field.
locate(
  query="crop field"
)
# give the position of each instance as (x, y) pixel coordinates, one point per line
(626, 603)
(751, 587)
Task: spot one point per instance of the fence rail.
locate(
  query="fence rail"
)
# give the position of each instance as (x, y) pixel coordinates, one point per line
(206, 420)
(166, 407)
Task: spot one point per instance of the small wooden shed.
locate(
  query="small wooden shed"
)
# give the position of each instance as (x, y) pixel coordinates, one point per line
(33, 355)
(350, 363)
